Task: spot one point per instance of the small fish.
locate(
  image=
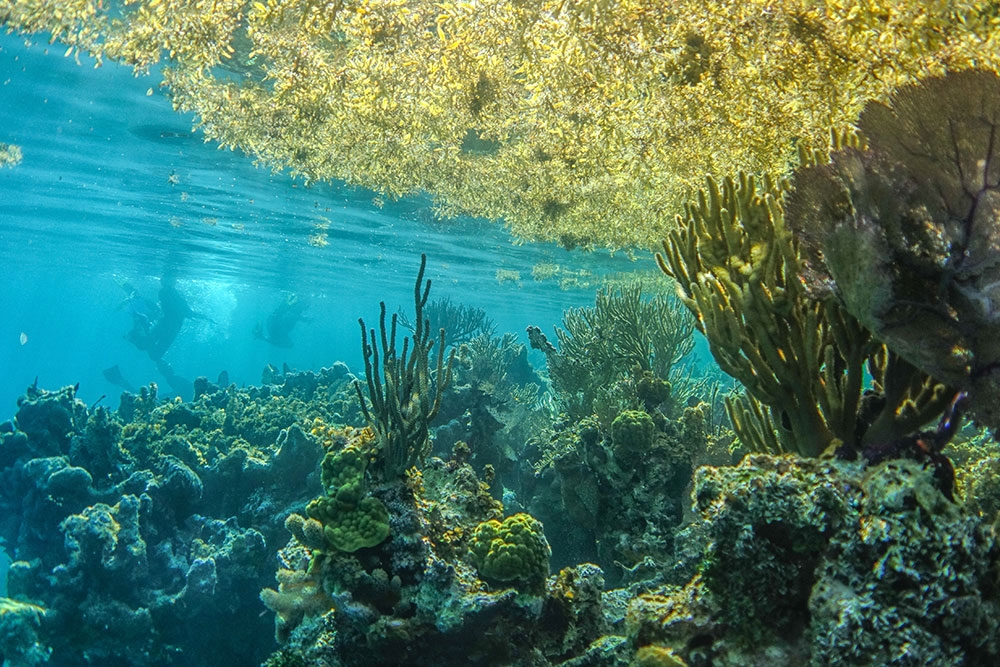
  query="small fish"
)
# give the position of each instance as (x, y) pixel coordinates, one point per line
(23, 338)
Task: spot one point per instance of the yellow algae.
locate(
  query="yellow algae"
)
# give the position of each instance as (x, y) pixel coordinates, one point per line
(586, 123)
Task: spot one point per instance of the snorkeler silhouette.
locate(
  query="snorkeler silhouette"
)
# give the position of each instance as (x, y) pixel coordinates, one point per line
(155, 326)
(115, 377)
(281, 321)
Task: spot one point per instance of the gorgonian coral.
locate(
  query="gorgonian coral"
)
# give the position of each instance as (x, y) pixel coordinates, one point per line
(905, 230)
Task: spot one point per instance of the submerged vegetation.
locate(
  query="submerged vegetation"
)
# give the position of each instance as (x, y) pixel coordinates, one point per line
(404, 391)
(417, 523)
(802, 361)
(10, 155)
(623, 352)
(586, 123)
(904, 231)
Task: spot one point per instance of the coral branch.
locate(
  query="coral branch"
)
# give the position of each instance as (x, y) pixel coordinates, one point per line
(405, 395)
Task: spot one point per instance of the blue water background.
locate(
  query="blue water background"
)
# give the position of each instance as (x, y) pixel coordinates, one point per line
(115, 186)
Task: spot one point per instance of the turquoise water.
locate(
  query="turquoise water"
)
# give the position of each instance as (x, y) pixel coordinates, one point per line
(114, 187)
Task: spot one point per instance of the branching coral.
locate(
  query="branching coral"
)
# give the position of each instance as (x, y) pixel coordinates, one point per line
(801, 360)
(625, 336)
(571, 121)
(460, 322)
(405, 395)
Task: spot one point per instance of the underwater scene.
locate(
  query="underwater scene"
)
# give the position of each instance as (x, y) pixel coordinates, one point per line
(609, 333)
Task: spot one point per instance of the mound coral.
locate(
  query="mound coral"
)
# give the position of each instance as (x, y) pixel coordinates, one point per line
(513, 551)
(350, 519)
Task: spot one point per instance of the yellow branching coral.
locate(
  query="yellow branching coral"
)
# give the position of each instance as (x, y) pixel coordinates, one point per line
(802, 361)
(582, 122)
(738, 272)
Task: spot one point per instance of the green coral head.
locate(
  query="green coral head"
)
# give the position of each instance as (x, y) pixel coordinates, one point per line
(350, 519)
(632, 432)
(514, 551)
(343, 471)
(349, 529)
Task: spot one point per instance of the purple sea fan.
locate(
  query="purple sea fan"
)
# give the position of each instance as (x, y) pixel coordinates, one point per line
(906, 233)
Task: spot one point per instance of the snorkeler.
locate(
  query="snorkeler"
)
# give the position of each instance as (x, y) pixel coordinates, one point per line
(115, 377)
(143, 311)
(281, 321)
(154, 331)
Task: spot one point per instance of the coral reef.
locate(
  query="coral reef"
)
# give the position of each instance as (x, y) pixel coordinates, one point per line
(159, 520)
(164, 521)
(19, 641)
(493, 405)
(809, 562)
(415, 599)
(610, 473)
(617, 498)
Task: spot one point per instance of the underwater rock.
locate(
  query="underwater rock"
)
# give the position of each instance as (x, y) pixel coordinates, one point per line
(980, 482)
(48, 418)
(297, 454)
(159, 520)
(98, 448)
(70, 482)
(104, 539)
(807, 561)
(20, 645)
(615, 497)
(180, 487)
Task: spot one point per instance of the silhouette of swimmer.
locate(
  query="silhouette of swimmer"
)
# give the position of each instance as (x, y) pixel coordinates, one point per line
(115, 377)
(143, 311)
(281, 321)
(155, 328)
(179, 385)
